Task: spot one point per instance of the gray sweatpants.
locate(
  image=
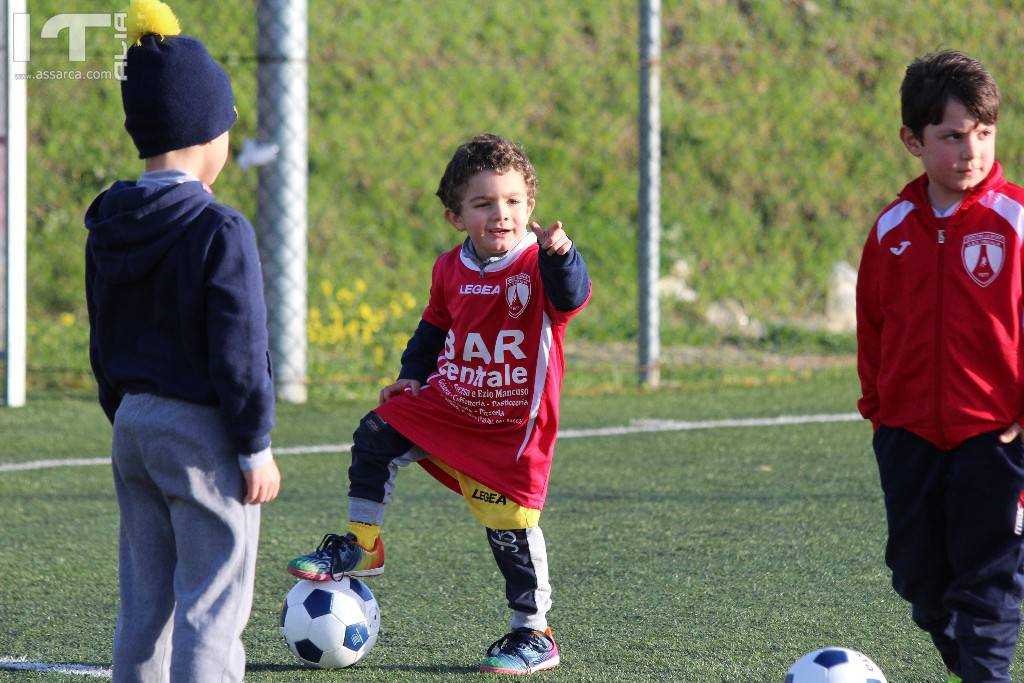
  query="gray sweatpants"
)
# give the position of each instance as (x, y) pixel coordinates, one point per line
(187, 545)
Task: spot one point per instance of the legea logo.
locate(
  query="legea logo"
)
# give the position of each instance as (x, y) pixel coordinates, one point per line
(77, 27)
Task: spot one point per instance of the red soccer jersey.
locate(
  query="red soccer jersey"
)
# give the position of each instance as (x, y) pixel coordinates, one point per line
(490, 410)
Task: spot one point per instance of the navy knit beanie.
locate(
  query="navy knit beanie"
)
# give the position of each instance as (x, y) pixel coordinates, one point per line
(175, 94)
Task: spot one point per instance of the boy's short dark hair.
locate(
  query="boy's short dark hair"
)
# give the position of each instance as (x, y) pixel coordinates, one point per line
(931, 81)
(485, 152)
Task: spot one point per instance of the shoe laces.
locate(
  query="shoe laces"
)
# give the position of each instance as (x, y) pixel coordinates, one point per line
(338, 549)
(331, 541)
(513, 642)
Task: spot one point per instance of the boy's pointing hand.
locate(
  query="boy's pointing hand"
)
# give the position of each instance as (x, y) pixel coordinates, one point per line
(553, 240)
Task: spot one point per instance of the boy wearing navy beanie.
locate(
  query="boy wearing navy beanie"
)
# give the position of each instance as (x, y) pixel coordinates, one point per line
(178, 346)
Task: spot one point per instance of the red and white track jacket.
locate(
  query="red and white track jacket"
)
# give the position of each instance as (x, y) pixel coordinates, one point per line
(939, 314)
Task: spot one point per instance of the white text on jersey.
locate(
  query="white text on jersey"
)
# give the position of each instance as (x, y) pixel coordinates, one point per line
(480, 289)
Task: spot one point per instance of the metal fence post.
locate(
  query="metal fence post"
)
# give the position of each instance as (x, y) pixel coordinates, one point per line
(649, 346)
(281, 210)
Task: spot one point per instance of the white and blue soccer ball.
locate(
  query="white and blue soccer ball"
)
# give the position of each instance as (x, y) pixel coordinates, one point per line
(330, 624)
(835, 665)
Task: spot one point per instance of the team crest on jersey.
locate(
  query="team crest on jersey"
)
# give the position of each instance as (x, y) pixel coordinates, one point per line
(982, 255)
(517, 293)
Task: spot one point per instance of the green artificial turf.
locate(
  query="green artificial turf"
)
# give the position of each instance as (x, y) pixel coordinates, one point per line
(708, 555)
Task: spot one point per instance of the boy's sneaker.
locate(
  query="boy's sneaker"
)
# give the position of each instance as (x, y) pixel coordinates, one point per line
(339, 556)
(521, 652)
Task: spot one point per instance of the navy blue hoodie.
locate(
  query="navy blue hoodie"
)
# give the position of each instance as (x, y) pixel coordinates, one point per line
(176, 308)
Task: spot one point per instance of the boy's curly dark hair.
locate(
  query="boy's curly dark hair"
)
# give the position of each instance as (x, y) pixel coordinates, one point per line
(485, 152)
(931, 81)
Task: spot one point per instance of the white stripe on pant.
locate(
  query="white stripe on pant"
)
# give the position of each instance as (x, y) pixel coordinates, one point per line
(522, 558)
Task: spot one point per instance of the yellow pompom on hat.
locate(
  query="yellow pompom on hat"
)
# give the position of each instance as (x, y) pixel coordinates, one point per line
(175, 95)
(151, 17)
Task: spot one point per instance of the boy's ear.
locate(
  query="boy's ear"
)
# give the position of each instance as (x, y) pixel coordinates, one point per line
(529, 206)
(911, 141)
(454, 219)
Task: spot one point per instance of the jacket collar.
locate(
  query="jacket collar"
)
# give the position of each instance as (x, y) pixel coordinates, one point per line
(916, 191)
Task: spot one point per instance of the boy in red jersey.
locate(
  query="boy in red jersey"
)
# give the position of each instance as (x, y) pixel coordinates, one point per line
(476, 401)
(939, 328)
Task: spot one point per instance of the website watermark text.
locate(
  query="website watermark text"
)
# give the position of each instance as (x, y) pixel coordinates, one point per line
(65, 75)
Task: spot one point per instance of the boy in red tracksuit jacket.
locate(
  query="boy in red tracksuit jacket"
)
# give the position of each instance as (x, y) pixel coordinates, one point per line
(939, 332)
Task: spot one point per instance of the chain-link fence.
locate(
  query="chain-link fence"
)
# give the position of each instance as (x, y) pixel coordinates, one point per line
(393, 89)
(767, 109)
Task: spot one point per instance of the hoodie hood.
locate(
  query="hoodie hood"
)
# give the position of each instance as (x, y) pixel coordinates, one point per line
(132, 227)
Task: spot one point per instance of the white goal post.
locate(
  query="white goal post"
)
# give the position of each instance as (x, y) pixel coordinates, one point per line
(13, 205)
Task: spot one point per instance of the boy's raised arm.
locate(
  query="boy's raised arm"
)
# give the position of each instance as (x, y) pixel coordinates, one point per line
(562, 269)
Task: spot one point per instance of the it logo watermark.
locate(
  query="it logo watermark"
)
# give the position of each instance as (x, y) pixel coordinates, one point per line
(77, 26)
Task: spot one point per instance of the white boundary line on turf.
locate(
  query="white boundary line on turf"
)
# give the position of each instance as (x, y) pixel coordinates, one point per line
(47, 464)
(635, 427)
(42, 667)
(646, 426)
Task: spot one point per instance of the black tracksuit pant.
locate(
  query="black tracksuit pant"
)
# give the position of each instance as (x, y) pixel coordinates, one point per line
(521, 554)
(955, 546)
